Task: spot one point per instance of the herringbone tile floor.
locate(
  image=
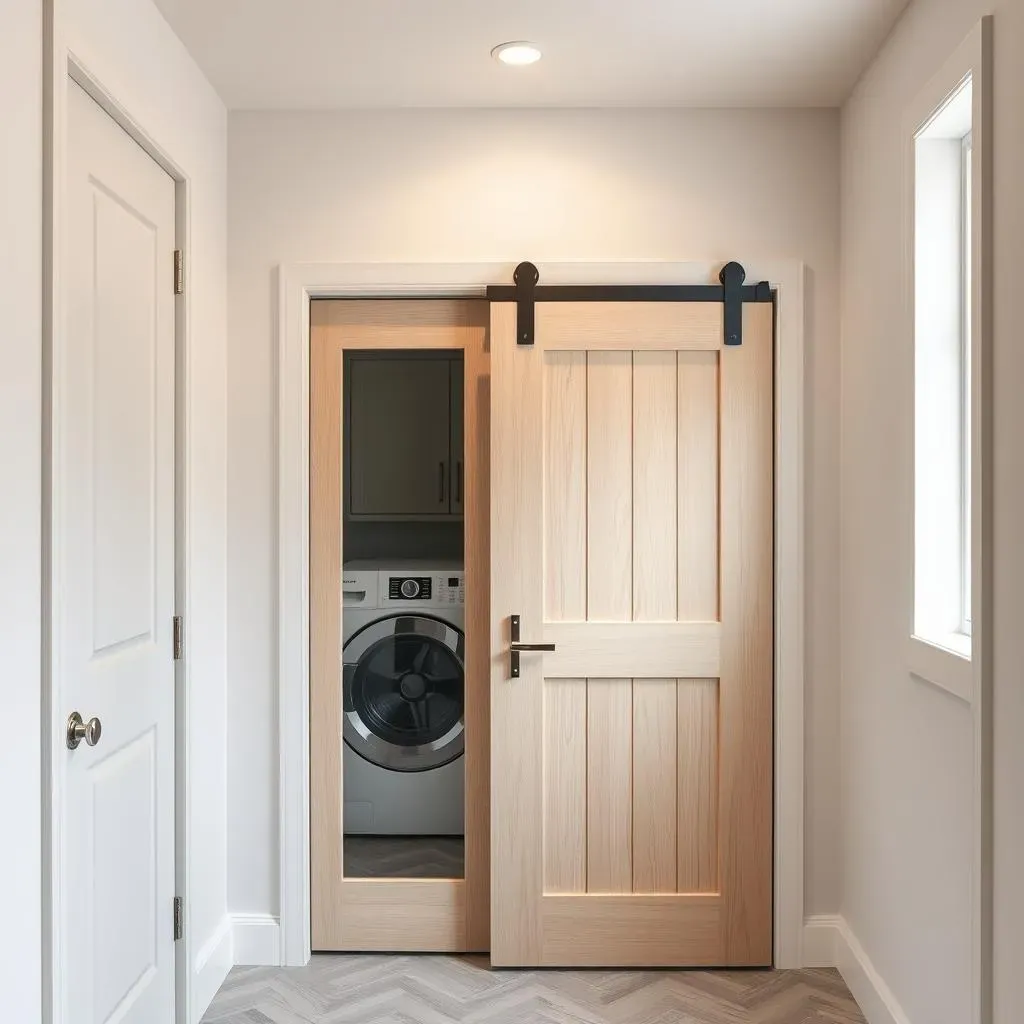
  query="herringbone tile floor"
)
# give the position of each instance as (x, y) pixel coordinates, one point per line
(463, 990)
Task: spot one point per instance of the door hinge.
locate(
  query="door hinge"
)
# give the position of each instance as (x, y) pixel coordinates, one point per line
(179, 272)
(179, 919)
(179, 638)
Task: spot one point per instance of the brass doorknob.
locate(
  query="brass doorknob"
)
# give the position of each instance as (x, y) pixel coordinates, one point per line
(78, 730)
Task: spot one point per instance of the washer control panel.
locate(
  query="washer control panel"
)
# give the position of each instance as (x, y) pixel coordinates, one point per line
(442, 588)
(409, 588)
(452, 588)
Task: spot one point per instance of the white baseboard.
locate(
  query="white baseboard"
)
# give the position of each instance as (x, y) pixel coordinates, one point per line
(828, 942)
(212, 964)
(821, 936)
(257, 940)
(874, 997)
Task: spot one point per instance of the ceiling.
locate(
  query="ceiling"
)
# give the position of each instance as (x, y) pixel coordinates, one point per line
(302, 54)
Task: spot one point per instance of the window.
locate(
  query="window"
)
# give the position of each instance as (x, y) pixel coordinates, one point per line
(943, 309)
(965, 405)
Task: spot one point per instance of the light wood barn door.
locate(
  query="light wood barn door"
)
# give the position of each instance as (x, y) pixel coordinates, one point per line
(632, 527)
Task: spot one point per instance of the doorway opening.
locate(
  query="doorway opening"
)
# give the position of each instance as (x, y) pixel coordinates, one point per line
(403, 614)
(303, 317)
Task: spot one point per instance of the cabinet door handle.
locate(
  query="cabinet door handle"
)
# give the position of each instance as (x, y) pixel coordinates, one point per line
(441, 492)
(458, 482)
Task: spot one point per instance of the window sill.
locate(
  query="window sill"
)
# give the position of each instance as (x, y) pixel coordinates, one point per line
(946, 665)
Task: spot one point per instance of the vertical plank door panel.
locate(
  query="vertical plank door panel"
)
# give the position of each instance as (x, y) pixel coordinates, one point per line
(698, 784)
(698, 486)
(609, 598)
(565, 700)
(609, 786)
(655, 574)
(565, 486)
(698, 446)
(609, 486)
(655, 806)
(565, 785)
(517, 721)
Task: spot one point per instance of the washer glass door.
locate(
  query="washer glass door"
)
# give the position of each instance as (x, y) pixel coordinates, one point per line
(403, 692)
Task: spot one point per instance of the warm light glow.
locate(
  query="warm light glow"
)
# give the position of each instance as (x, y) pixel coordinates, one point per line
(516, 54)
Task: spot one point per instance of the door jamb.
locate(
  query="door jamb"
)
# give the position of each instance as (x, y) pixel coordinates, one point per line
(297, 285)
(61, 65)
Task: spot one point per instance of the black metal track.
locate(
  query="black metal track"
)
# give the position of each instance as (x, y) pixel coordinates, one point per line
(732, 292)
(629, 293)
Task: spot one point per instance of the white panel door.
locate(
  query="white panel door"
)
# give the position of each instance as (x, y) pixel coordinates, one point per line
(114, 566)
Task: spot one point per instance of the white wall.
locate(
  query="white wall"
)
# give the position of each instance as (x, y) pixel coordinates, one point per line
(906, 747)
(510, 185)
(21, 184)
(136, 57)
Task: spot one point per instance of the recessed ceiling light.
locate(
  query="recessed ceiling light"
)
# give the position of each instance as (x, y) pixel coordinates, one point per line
(517, 54)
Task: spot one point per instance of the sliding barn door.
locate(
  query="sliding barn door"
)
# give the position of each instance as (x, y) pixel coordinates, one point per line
(632, 528)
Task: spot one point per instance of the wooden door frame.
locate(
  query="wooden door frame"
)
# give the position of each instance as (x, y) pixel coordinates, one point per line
(298, 284)
(374, 914)
(63, 66)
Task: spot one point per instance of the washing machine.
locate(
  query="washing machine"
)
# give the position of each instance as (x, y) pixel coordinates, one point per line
(403, 684)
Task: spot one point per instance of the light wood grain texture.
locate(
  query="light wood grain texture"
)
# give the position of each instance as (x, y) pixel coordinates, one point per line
(565, 553)
(629, 326)
(698, 485)
(565, 486)
(384, 323)
(517, 724)
(565, 785)
(747, 615)
(654, 785)
(609, 596)
(655, 575)
(674, 872)
(476, 502)
(414, 915)
(399, 914)
(697, 785)
(651, 650)
(609, 786)
(631, 931)
(325, 638)
(610, 486)
(655, 468)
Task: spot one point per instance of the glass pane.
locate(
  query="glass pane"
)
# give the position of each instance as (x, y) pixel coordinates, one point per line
(403, 617)
(966, 377)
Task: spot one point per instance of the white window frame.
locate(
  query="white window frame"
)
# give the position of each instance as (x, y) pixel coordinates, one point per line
(940, 131)
(969, 679)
